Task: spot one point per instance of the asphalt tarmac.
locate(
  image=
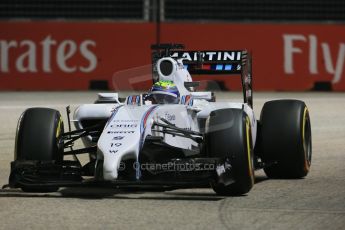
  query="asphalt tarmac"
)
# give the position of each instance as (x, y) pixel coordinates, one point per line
(316, 202)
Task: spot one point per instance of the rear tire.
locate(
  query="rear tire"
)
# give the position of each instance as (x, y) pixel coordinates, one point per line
(286, 138)
(38, 133)
(228, 136)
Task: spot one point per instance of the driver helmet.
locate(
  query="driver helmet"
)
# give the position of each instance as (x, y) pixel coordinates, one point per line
(165, 92)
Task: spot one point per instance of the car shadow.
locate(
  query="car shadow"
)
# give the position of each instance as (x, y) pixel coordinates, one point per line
(153, 193)
(107, 193)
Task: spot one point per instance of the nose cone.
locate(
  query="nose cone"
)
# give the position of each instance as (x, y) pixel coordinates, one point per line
(121, 138)
(115, 147)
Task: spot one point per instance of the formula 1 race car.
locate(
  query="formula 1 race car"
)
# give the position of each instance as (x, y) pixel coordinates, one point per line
(172, 137)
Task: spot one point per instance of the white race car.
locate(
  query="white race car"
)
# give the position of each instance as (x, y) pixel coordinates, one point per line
(166, 138)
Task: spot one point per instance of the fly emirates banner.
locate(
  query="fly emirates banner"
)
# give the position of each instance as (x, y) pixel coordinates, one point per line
(68, 55)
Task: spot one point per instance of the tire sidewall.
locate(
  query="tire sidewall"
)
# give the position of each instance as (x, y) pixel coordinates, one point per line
(233, 142)
(38, 135)
(284, 125)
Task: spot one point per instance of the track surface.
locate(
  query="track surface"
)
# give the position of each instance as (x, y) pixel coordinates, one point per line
(316, 202)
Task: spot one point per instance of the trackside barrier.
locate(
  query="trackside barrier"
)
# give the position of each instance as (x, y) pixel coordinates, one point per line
(75, 55)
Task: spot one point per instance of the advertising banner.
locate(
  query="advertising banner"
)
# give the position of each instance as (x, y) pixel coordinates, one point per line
(70, 55)
(67, 56)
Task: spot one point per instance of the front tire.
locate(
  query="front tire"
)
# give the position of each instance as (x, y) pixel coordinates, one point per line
(38, 139)
(286, 138)
(228, 137)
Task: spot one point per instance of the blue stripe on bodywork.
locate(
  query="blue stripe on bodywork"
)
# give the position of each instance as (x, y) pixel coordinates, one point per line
(142, 133)
(190, 102)
(112, 115)
(183, 99)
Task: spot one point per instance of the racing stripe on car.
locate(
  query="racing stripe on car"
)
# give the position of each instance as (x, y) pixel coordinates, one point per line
(113, 115)
(187, 100)
(182, 100)
(144, 119)
(137, 100)
(142, 133)
(134, 99)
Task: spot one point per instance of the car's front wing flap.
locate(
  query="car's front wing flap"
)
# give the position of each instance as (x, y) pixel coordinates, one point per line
(69, 174)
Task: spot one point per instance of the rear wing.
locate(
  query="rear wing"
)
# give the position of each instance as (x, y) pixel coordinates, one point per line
(211, 62)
